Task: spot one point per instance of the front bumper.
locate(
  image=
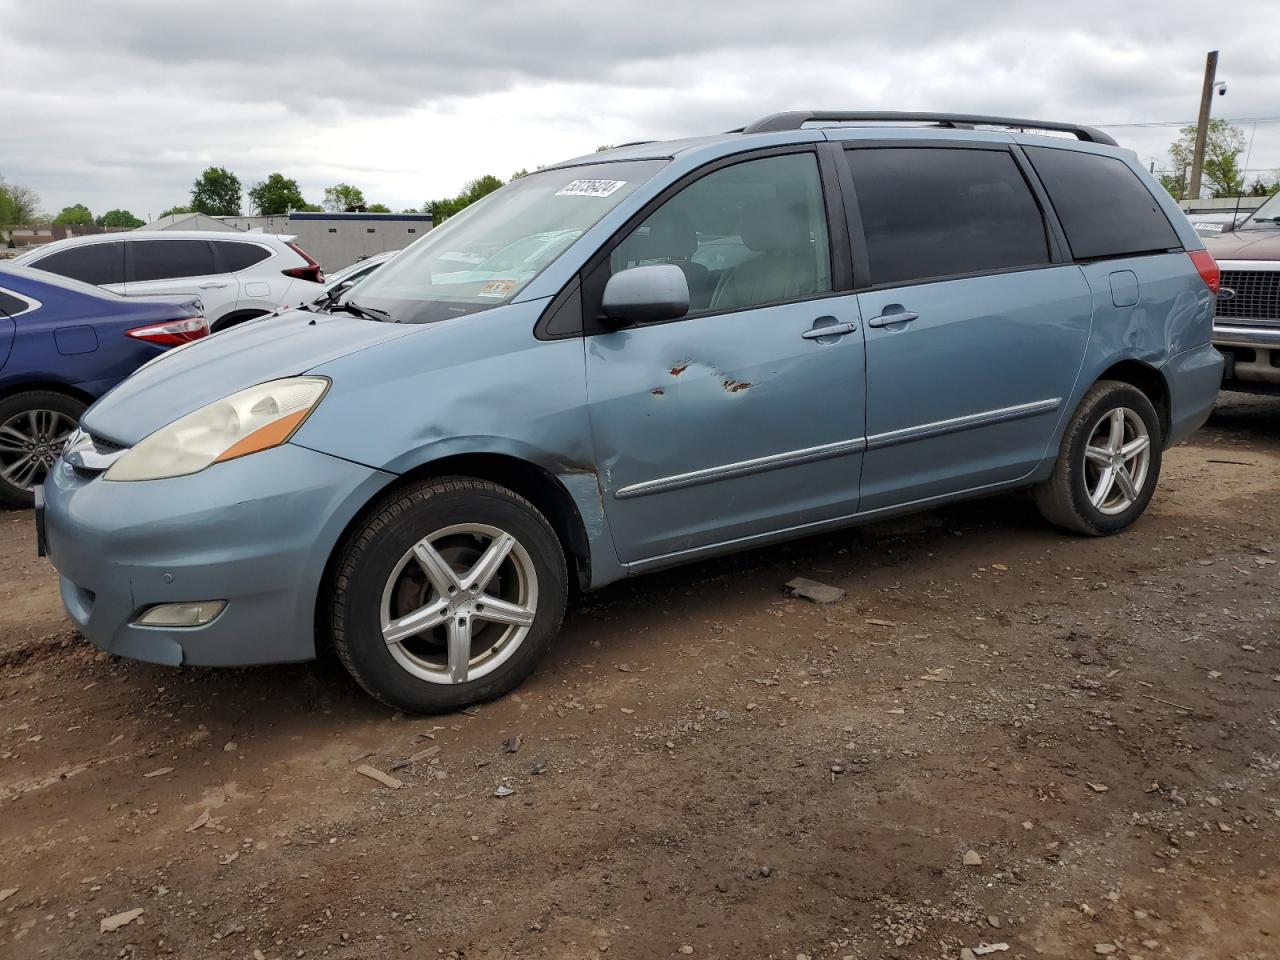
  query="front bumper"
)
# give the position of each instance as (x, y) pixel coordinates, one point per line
(255, 532)
(1252, 351)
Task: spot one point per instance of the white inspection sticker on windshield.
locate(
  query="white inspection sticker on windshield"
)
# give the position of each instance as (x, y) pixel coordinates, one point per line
(590, 188)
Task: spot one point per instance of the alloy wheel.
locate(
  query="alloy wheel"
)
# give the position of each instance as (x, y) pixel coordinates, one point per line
(30, 442)
(459, 603)
(1117, 459)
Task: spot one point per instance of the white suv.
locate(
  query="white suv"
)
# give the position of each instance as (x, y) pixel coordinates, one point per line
(236, 276)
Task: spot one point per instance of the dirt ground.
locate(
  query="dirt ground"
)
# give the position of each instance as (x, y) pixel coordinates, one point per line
(1002, 737)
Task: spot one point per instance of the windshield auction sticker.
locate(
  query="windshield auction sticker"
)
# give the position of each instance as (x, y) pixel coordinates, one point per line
(590, 188)
(498, 288)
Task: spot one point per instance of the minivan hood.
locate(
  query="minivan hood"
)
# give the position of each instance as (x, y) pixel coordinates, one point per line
(1258, 244)
(188, 377)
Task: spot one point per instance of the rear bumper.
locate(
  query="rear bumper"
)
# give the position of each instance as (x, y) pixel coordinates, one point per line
(1194, 377)
(255, 532)
(1252, 352)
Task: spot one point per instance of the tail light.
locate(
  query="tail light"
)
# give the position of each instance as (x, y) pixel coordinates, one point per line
(1208, 269)
(172, 334)
(310, 272)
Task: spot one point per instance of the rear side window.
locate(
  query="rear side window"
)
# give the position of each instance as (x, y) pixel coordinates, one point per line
(168, 259)
(11, 305)
(96, 263)
(230, 256)
(1105, 209)
(939, 212)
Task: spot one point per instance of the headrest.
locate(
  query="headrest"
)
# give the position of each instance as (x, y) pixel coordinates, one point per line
(774, 226)
(671, 235)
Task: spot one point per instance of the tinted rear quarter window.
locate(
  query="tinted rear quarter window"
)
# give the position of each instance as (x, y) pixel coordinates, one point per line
(95, 263)
(11, 305)
(931, 212)
(168, 259)
(231, 255)
(1105, 209)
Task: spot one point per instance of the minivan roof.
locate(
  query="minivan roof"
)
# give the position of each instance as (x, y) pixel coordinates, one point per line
(946, 125)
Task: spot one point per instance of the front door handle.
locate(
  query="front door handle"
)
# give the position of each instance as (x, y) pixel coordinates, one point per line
(825, 327)
(885, 319)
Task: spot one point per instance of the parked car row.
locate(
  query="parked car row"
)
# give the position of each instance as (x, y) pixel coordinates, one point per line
(632, 360)
(236, 276)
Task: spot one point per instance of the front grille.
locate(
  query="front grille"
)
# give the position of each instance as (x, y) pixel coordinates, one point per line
(103, 445)
(87, 463)
(1257, 295)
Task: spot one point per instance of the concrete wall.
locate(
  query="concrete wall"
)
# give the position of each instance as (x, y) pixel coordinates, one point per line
(339, 239)
(1222, 204)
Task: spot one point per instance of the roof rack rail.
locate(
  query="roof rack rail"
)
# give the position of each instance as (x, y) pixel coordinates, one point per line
(795, 119)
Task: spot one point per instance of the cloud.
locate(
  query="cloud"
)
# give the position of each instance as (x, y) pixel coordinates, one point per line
(123, 104)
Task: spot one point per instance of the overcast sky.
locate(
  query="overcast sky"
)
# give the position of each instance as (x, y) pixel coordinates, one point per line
(122, 104)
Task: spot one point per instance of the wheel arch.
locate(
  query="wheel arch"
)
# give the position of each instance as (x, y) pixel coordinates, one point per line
(1150, 381)
(535, 483)
(235, 317)
(530, 480)
(50, 386)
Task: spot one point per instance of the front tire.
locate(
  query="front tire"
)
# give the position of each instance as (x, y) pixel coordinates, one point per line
(1108, 465)
(34, 426)
(448, 594)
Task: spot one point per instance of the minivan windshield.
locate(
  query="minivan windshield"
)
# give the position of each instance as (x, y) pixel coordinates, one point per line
(485, 255)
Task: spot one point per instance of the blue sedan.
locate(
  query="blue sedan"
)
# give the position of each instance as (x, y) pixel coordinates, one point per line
(63, 344)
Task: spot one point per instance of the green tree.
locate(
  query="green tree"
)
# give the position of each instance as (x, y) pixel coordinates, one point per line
(216, 193)
(342, 196)
(8, 212)
(275, 195)
(77, 214)
(1176, 186)
(1260, 188)
(379, 208)
(174, 210)
(442, 210)
(1223, 146)
(18, 204)
(118, 218)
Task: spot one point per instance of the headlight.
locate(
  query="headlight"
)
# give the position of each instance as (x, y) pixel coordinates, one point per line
(256, 419)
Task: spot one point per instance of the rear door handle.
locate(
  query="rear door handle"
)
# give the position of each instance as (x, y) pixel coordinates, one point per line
(825, 327)
(212, 286)
(885, 319)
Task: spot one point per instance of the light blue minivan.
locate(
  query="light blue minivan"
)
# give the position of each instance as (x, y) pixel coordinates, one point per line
(636, 359)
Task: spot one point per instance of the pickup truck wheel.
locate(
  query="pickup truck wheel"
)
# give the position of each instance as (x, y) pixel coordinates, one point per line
(449, 594)
(33, 428)
(1108, 464)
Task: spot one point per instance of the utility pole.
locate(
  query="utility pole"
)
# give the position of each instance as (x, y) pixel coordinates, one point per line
(1202, 125)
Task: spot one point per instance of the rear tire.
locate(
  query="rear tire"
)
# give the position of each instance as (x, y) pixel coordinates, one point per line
(1108, 464)
(448, 594)
(33, 428)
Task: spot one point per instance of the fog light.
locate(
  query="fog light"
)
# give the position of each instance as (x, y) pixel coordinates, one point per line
(181, 614)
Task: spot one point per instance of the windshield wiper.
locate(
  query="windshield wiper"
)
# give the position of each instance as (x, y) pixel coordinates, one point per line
(369, 313)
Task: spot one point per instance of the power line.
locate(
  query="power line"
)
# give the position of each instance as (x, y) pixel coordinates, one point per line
(1184, 123)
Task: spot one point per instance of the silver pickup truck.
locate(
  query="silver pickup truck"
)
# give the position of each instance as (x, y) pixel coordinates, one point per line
(1247, 329)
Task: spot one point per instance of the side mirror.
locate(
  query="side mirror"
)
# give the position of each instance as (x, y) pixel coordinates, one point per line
(646, 294)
